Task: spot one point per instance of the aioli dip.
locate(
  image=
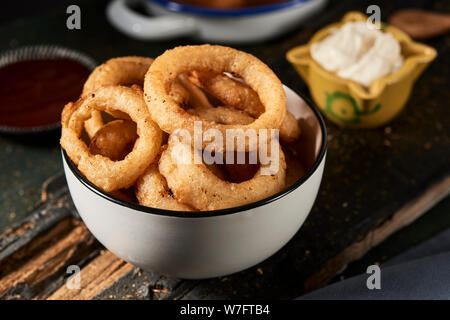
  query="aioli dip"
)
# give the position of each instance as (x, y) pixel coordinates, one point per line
(358, 53)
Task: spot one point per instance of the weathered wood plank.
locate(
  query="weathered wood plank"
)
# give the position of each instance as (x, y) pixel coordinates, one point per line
(35, 252)
(99, 274)
(55, 205)
(26, 273)
(142, 285)
(406, 215)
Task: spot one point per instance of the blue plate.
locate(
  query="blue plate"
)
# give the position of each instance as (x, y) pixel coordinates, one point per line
(197, 10)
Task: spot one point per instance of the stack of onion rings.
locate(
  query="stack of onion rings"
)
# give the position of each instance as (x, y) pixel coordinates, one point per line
(125, 155)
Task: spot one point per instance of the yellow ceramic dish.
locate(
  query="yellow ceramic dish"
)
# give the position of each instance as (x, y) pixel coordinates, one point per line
(350, 104)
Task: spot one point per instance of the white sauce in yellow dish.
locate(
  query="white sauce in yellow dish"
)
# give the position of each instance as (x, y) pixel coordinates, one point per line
(359, 53)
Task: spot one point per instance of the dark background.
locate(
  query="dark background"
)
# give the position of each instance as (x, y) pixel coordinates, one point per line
(12, 10)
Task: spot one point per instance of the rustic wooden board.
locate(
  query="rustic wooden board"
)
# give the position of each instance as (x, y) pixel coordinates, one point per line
(37, 269)
(375, 182)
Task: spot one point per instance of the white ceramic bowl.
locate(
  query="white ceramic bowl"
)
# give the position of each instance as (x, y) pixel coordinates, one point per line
(171, 19)
(211, 243)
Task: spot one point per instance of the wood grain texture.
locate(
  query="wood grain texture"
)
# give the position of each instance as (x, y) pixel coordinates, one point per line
(55, 205)
(26, 273)
(406, 215)
(98, 275)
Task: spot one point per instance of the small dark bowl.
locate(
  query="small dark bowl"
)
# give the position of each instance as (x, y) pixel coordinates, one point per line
(36, 53)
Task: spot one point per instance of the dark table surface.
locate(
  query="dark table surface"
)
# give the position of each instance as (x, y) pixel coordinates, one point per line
(26, 162)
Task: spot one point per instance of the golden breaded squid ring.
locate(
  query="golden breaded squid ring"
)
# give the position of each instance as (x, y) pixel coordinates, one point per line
(123, 71)
(222, 114)
(195, 184)
(117, 71)
(105, 173)
(231, 92)
(114, 140)
(194, 96)
(289, 131)
(170, 116)
(240, 96)
(93, 124)
(152, 191)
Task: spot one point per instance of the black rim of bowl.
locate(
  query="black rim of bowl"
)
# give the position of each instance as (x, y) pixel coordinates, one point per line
(36, 52)
(220, 212)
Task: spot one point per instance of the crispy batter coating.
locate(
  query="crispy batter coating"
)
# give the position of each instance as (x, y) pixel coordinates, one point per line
(236, 94)
(114, 140)
(170, 116)
(197, 185)
(117, 71)
(105, 173)
(152, 191)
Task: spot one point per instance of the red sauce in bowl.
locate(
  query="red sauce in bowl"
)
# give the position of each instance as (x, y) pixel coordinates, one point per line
(33, 92)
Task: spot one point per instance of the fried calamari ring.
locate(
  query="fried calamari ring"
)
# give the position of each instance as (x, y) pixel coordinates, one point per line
(195, 97)
(290, 130)
(170, 116)
(201, 107)
(295, 169)
(114, 140)
(93, 124)
(195, 184)
(185, 94)
(222, 115)
(152, 191)
(117, 71)
(240, 96)
(231, 92)
(105, 173)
